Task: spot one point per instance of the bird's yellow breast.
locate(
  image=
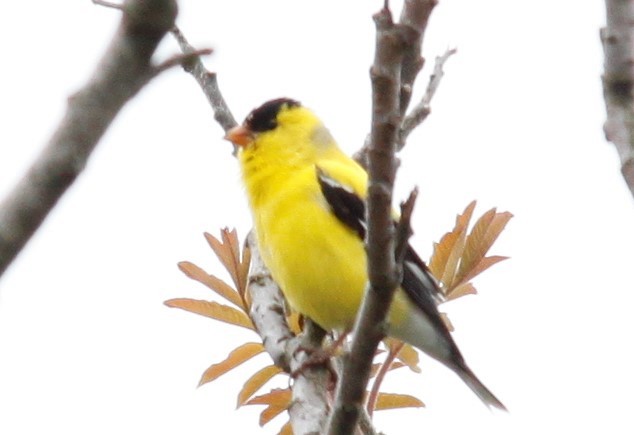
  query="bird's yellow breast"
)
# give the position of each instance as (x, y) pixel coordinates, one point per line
(319, 263)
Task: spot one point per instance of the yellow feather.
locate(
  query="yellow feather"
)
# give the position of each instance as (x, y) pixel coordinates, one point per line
(318, 261)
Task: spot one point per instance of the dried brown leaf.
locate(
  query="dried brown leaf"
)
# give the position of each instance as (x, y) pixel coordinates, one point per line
(453, 260)
(461, 290)
(396, 365)
(255, 382)
(475, 248)
(480, 239)
(276, 396)
(243, 272)
(225, 253)
(393, 344)
(484, 264)
(230, 238)
(277, 401)
(447, 252)
(287, 429)
(213, 310)
(409, 356)
(377, 366)
(270, 412)
(405, 353)
(497, 226)
(237, 356)
(440, 255)
(393, 401)
(216, 284)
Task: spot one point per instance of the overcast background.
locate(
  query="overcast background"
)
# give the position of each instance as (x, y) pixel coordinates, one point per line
(86, 345)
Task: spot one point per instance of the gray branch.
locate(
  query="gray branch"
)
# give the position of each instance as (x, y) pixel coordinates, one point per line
(124, 69)
(414, 17)
(310, 399)
(267, 310)
(421, 111)
(394, 69)
(208, 82)
(413, 22)
(618, 82)
(309, 411)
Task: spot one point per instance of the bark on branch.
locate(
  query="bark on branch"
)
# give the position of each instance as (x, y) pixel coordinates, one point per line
(208, 82)
(124, 69)
(397, 61)
(413, 20)
(618, 82)
(310, 399)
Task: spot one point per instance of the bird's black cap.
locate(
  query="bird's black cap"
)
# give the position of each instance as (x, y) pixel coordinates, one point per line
(264, 118)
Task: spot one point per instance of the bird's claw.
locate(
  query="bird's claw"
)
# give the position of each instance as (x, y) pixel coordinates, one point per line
(318, 357)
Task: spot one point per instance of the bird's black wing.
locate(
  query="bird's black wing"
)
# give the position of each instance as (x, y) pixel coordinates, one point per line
(418, 283)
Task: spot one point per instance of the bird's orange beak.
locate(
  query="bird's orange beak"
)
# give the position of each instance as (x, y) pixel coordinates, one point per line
(240, 136)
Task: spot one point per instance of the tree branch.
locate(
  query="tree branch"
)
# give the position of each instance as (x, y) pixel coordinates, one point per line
(310, 402)
(393, 42)
(309, 410)
(124, 69)
(373, 395)
(420, 112)
(181, 59)
(414, 17)
(413, 22)
(208, 82)
(267, 310)
(618, 82)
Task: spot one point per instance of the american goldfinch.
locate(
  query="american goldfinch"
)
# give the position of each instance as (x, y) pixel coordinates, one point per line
(307, 201)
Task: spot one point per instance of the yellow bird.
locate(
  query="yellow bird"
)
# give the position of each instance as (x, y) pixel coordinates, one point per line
(307, 201)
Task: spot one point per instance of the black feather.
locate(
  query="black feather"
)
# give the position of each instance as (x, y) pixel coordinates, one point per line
(264, 118)
(417, 281)
(345, 204)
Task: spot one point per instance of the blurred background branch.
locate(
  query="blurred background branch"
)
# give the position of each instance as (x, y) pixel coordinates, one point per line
(617, 38)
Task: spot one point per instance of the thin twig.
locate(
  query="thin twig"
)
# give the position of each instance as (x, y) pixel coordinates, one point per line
(181, 60)
(208, 83)
(404, 227)
(618, 82)
(112, 5)
(420, 112)
(414, 17)
(413, 20)
(380, 376)
(365, 424)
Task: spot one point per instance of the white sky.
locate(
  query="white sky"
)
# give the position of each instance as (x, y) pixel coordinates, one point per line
(86, 345)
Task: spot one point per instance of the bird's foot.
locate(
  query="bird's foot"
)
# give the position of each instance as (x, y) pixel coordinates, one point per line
(321, 356)
(318, 357)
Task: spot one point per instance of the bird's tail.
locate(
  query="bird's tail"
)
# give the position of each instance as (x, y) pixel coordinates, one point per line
(478, 387)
